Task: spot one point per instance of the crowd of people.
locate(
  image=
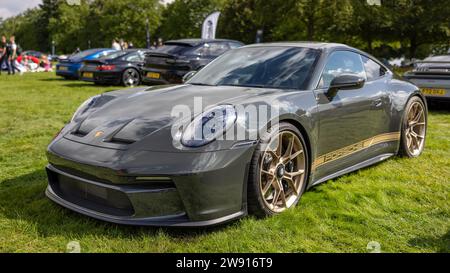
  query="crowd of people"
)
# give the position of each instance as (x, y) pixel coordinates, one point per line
(12, 59)
(120, 44)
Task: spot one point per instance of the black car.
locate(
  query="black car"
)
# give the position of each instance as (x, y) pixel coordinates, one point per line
(118, 68)
(169, 63)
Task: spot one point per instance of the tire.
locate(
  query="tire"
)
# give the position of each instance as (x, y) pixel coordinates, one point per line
(266, 161)
(414, 128)
(131, 77)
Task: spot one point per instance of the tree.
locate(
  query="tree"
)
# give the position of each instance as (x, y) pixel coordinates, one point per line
(184, 18)
(126, 19)
(242, 18)
(418, 23)
(49, 11)
(370, 23)
(69, 29)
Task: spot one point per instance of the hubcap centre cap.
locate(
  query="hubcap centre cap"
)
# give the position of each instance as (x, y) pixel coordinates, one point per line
(280, 171)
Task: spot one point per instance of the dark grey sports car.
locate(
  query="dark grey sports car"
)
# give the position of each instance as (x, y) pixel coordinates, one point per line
(249, 133)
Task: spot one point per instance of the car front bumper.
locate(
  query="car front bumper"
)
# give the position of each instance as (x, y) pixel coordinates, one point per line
(155, 189)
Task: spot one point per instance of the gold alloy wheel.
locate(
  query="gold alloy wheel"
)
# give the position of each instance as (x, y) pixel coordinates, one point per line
(415, 129)
(282, 171)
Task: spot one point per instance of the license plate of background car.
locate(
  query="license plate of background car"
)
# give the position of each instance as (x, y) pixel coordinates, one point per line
(88, 75)
(153, 75)
(63, 68)
(434, 92)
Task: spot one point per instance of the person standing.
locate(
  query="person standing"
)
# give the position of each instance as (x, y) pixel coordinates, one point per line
(115, 45)
(3, 57)
(11, 51)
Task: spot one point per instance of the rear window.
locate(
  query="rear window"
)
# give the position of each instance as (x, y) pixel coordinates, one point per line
(113, 55)
(174, 48)
(85, 53)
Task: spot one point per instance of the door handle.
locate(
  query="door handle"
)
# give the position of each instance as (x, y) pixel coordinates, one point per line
(377, 103)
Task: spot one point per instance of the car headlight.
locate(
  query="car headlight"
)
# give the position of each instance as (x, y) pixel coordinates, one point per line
(208, 126)
(84, 107)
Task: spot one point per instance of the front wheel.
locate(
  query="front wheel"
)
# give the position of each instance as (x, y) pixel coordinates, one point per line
(130, 77)
(414, 128)
(278, 172)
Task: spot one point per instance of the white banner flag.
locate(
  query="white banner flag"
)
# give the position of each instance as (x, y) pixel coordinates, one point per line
(210, 25)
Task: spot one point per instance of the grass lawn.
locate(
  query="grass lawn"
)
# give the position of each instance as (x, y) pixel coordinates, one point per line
(403, 204)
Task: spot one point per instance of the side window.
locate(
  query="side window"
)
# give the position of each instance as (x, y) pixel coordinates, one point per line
(234, 45)
(133, 58)
(201, 50)
(216, 49)
(341, 62)
(373, 70)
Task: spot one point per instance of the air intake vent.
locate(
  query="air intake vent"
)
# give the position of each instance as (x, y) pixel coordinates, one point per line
(121, 141)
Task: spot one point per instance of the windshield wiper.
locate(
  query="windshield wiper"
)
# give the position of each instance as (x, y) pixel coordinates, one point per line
(245, 85)
(202, 84)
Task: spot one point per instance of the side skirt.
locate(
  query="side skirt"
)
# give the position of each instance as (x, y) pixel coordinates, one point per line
(353, 168)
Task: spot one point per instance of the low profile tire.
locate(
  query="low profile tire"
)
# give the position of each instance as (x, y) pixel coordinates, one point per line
(131, 77)
(414, 128)
(278, 171)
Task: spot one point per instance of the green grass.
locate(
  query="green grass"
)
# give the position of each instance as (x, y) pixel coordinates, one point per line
(403, 204)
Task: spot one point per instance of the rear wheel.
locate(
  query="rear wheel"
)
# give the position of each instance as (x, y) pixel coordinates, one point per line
(414, 128)
(278, 172)
(131, 77)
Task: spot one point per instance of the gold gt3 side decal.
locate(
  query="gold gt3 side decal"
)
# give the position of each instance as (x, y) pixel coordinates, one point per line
(353, 148)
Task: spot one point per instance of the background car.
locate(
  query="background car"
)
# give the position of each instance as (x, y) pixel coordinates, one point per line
(33, 53)
(69, 68)
(128, 157)
(432, 75)
(169, 63)
(118, 68)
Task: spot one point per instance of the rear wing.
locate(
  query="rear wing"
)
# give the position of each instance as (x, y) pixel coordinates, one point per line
(430, 70)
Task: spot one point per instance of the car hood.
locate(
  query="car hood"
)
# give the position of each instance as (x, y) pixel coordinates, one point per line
(131, 116)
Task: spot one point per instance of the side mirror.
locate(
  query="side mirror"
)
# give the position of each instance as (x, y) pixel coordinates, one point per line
(188, 76)
(345, 82)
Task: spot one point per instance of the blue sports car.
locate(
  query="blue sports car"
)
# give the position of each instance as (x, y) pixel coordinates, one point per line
(69, 68)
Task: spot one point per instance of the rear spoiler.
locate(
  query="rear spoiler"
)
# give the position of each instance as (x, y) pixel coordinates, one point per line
(159, 54)
(432, 62)
(94, 61)
(437, 71)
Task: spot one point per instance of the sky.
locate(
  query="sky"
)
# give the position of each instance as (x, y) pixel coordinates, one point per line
(10, 8)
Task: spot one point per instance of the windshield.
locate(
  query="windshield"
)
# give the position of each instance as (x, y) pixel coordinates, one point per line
(270, 67)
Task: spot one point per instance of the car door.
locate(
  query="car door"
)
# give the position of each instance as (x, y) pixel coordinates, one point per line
(349, 119)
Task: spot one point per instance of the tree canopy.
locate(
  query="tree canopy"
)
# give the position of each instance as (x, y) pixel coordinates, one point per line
(413, 28)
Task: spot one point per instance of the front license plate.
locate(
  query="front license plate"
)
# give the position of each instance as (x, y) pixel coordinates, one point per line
(434, 92)
(63, 68)
(153, 75)
(88, 75)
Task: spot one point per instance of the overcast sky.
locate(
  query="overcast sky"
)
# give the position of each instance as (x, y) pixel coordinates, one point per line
(10, 8)
(13, 7)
